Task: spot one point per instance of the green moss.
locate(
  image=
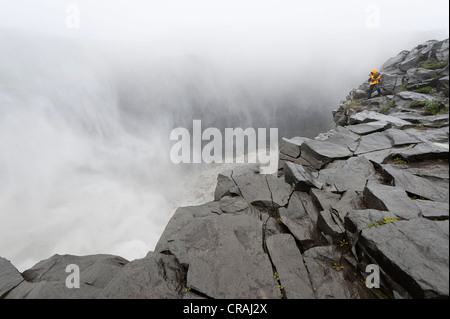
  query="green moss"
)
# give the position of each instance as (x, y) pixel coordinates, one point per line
(403, 88)
(435, 107)
(386, 220)
(400, 160)
(431, 64)
(387, 107)
(425, 90)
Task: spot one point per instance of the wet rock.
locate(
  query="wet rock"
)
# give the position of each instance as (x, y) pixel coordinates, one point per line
(156, 276)
(299, 177)
(371, 116)
(433, 210)
(205, 243)
(333, 275)
(350, 174)
(389, 198)
(9, 277)
(432, 188)
(290, 267)
(406, 98)
(368, 128)
(422, 152)
(301, 220)
(414, 253)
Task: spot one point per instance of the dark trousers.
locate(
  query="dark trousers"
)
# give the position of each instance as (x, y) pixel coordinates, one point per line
(374, 86)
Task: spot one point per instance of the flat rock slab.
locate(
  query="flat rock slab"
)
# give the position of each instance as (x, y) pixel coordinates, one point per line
(349, 174)
(374, 142)
(389, 198)
(9, 277)
(290, 267)
(433, 210)
(205, 242)
(156, 276)
(320, 153)
(329, 279)
(414, 253)
(429, 188)
(299, 177)
(262, 190)
(404, 98)
(368, 128)
(300, 218)
(371, 116)
(357, 220)
(422, 152)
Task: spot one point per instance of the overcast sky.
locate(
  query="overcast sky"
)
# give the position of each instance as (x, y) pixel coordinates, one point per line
(138, 19)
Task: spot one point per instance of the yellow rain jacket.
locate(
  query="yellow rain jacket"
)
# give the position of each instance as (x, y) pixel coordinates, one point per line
(375, 77)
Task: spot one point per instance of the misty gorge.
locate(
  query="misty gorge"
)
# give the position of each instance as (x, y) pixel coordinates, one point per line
(85, 124)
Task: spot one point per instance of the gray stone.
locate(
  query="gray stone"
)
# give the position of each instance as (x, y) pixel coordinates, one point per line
(9, 277)
(422, 152)
(204, 244)
(349, 201)
(433, 210)
(414, 253)
(402, 99)
(432, 188)
(371, 116)
(320, 153)
(299, 177)
(300, 221)
(324, 200)
(389, 198)
(373, 142)
(368, 128)
(357, 220)
(291, 147)
(156, 276)
(350, 174)
(290, 267)
(331, 226)
(333, 275)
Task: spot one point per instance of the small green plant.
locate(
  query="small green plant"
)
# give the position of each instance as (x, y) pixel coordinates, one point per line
(187, 289)
(399, 160)
(431, 64)
(387, 107)
(384, 221)
(337, 267)
(426, 90)
(434, 107)
(343, 242)
(403, 88)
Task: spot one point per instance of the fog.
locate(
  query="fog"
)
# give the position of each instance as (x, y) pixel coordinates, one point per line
(87, 102)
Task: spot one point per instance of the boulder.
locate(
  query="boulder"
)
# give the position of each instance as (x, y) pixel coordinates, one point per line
(9, 277)
(389, 198)
(301, 220)
(299, 177)
(429, 188)
(157, 276)
(414, 253)
(433, 210)
(405, 98)
(371, 116)
(290, 267)
(204, 244)
(368, 128)
(422, 152)
(349, 174)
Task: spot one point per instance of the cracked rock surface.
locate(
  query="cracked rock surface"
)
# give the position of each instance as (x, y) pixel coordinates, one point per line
(372, 191)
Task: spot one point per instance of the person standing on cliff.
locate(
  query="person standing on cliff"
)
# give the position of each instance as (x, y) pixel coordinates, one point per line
(374, 81)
